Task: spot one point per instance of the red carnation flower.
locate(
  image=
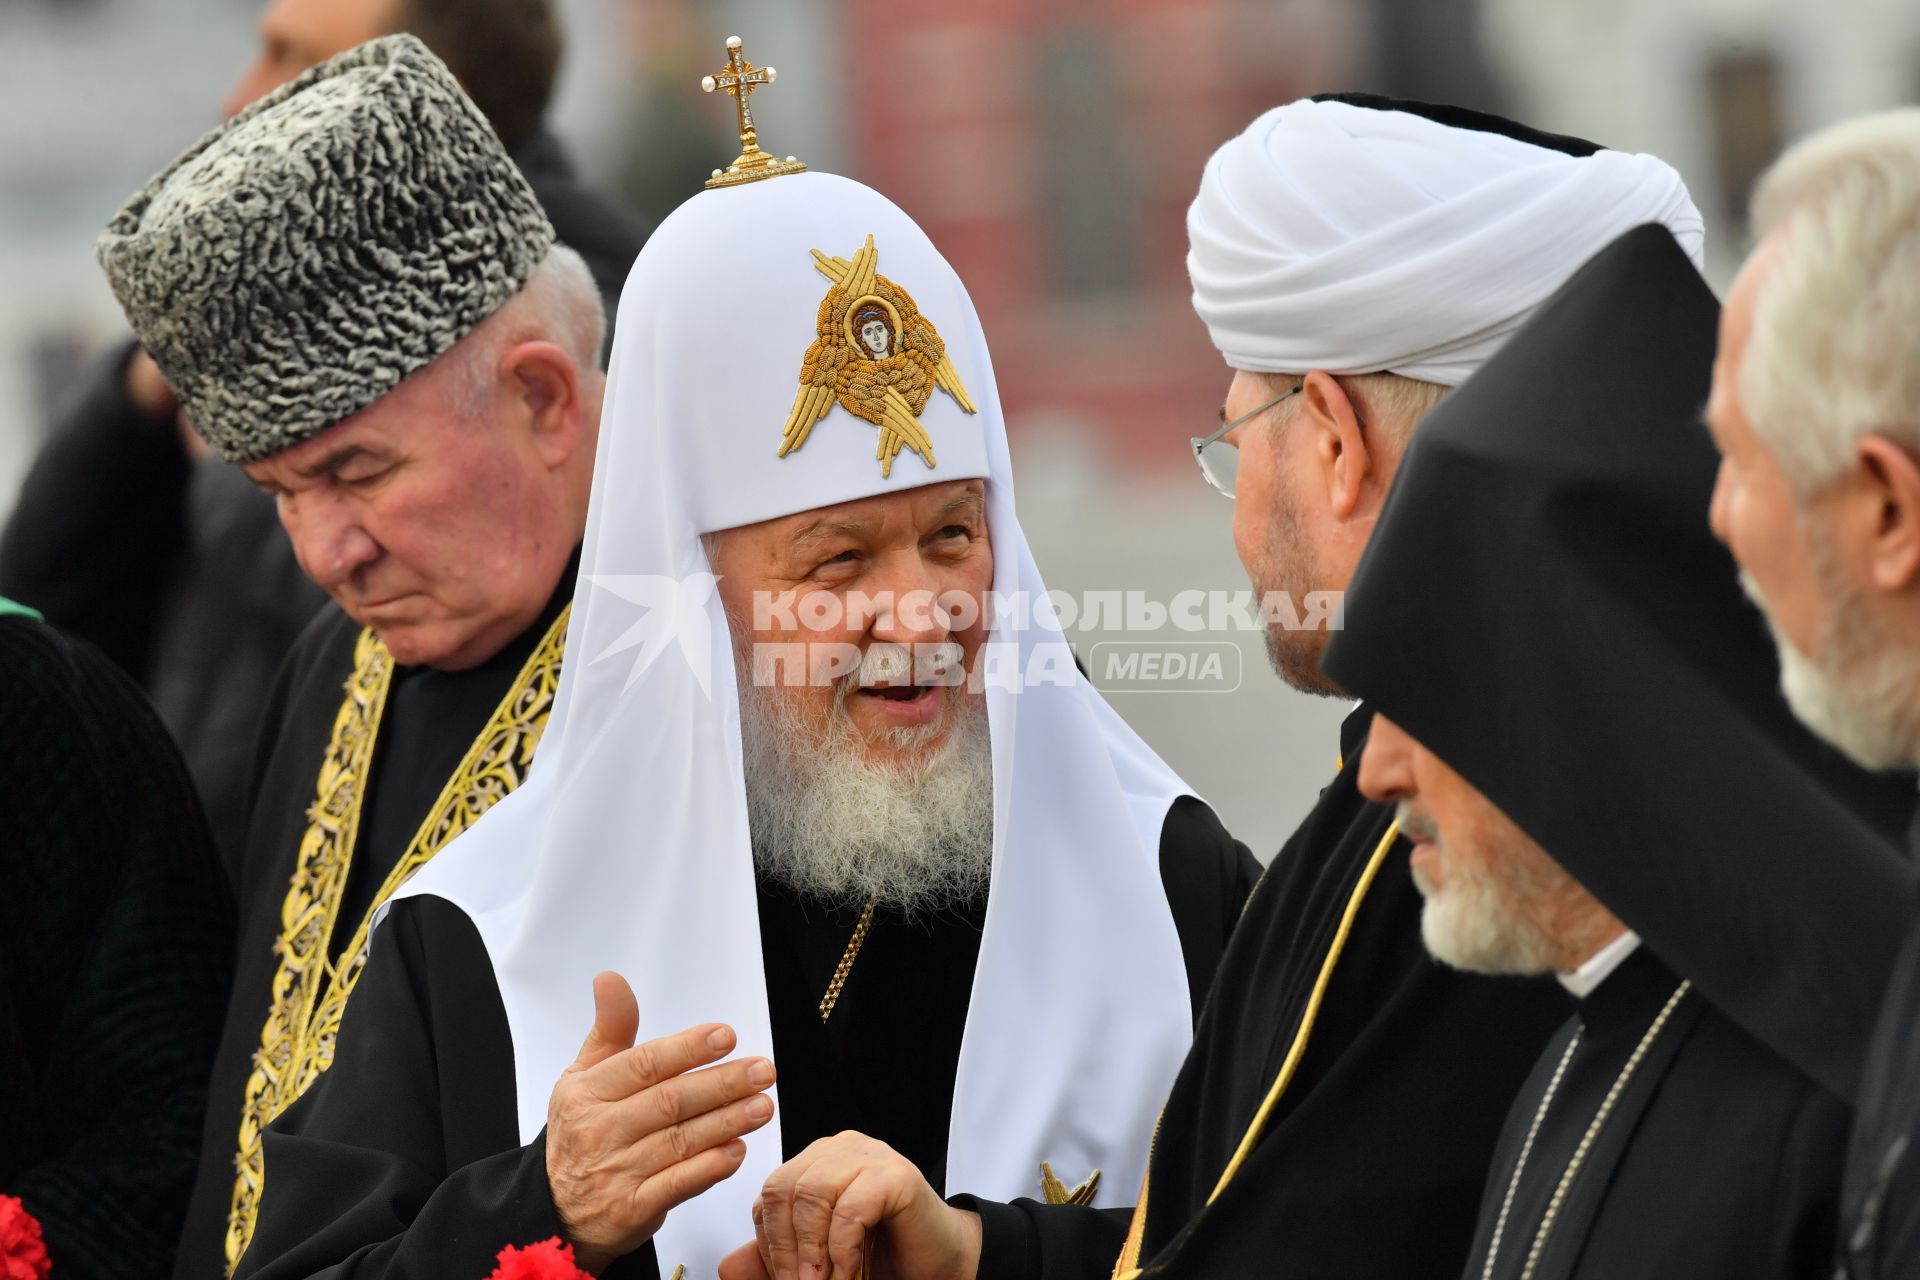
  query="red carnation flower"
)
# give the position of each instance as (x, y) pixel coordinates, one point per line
(23, 1253)
(548, 1260)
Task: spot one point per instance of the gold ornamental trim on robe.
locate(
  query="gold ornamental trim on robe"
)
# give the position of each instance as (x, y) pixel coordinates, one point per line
(310, 990)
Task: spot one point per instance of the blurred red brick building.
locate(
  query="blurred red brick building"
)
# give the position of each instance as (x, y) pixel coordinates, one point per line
(1051, 151)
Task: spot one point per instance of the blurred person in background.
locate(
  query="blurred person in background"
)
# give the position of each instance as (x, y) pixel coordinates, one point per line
(1589, 753)
(361, 303)
(128, 534)
(115, 960)
(1816, 412)
(506, 55)
(1353, 259)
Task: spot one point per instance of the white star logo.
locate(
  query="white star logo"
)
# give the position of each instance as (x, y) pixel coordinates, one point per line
(676, 610)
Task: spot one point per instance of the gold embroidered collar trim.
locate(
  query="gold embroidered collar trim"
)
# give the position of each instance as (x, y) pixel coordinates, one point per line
(310, 987)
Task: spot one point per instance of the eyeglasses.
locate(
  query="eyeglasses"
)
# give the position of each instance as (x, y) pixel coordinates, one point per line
(1219, 460)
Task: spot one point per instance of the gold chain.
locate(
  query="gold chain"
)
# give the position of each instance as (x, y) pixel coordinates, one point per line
(845, 966)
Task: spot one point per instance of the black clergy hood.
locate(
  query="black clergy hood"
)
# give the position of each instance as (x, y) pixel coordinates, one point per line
(1543, 606)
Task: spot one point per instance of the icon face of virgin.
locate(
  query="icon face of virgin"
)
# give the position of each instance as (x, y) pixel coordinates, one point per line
(876, 338)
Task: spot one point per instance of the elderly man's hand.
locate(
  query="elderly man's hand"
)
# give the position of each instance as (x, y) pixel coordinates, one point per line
(634, 1131)
(820, 1212)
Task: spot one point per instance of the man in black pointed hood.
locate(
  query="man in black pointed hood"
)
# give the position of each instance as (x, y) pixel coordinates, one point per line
(1587, 749)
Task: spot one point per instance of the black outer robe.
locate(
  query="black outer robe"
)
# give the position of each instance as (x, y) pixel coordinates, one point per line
(115, 955)
(405, 1160)
(1717, 1159)
(1373, 1163)
(430, 721)
(1880, 1203)
(1639, 735)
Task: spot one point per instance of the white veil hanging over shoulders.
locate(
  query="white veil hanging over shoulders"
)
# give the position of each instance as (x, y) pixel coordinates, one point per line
(627, 848)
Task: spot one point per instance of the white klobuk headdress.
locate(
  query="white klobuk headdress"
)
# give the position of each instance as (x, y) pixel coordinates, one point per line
(628, 849)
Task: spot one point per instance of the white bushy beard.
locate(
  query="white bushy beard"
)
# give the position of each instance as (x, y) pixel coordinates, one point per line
(1863, 696)
(1482, 923)
(914, 833)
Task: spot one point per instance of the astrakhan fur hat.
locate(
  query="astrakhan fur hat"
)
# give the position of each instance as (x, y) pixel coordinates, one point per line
(336, 236)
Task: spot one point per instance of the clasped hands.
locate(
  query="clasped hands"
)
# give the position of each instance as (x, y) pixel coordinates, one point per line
(635, 1130)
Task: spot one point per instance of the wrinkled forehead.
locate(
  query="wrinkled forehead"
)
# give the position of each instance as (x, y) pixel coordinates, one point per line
(903, 516)
(763, 401)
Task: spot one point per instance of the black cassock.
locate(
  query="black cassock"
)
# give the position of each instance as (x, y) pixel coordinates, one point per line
(431, 718)
(1372, 1163)
(1640, 737)
(405, 1159)
(1715, 1158)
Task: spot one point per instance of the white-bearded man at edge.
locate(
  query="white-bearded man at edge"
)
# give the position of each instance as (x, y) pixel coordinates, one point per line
(1817, 417)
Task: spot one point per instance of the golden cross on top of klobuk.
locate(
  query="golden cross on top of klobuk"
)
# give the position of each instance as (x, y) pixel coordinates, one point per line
(741, 78)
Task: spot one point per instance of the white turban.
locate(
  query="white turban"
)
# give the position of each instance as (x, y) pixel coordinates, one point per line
(1355, 238)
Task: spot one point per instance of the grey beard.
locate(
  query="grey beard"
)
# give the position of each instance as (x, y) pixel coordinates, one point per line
(1468, 926)
(1863, 696)
(916, 837)
(1526, 917)
(1290, 562)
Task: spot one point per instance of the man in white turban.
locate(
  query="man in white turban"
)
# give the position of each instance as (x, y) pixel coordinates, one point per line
(1353, 259)
(822, 785)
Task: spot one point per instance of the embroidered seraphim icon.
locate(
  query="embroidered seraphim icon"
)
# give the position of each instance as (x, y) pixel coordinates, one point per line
(876, 357)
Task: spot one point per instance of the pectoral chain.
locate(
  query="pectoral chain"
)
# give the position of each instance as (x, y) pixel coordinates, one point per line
(1580, 1152)
(1052, 1188)
(847, 957)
